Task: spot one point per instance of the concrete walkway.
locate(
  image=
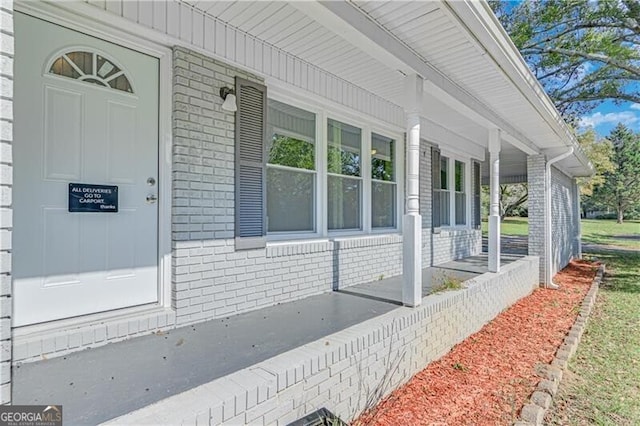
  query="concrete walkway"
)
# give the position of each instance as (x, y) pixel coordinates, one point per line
(510, 245)
(99, 384)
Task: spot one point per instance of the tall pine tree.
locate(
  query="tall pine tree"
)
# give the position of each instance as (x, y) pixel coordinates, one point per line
(621, 187)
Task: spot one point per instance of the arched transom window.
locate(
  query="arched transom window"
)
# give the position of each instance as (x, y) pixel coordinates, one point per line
(92, 68)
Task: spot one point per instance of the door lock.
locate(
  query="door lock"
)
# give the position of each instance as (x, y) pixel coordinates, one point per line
(151, 181)
(152, 198)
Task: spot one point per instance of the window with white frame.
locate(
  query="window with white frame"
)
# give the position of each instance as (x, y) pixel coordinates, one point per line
(445, 198)
(451, 183)
(317, 186)
(460, 196)
(291, 169)
(344, 176)
(383, 182)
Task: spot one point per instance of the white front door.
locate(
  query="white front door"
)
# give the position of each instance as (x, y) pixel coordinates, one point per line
(86, 112)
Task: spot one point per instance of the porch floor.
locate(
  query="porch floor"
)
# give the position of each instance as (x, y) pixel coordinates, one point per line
(99, 384)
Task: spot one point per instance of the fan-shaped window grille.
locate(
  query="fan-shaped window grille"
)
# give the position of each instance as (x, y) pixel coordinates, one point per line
(92, 68)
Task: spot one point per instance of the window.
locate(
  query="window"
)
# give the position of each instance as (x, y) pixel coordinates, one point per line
(291, 169)
(316, 187)
(91, 68)
(344, 180)
(383, 182)
(450, 188)
(445, 198)
(476, 195)
(460, 197)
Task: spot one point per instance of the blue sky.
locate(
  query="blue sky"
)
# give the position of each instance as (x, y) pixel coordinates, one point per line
(608, 115)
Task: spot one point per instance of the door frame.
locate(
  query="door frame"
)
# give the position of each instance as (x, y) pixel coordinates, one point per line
(91, 21)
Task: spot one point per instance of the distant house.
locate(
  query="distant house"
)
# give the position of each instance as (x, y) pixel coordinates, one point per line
(361, 136)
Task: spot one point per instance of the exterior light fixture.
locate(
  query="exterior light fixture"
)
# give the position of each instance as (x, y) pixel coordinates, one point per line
(229, 96)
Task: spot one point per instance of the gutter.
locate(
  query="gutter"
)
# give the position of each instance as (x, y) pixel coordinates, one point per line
(548, 277)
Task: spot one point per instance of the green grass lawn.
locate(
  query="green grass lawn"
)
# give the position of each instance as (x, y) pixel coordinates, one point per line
(608, 232)
(602, 385)
(594, 231)
(518, 226)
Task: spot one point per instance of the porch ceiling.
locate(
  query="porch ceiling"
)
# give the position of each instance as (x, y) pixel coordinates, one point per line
(438, 35)
(287, 28)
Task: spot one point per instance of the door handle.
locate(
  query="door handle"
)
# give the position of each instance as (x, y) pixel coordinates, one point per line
(152, 198)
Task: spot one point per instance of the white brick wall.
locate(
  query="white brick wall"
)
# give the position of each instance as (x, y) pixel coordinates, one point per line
(344, 370)
(565, 216)
(536, 183)
(425, 201)
(6, 165)
(210, 278)
(451, 244)
(564, 219)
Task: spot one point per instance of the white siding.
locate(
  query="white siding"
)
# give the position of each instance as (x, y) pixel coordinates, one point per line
(6, 171)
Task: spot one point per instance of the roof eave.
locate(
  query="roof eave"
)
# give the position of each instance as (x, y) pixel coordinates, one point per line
(483, 25)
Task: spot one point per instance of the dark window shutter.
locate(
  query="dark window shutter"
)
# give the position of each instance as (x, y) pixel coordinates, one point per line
(436, 184)
(476, 195)
(250, 192)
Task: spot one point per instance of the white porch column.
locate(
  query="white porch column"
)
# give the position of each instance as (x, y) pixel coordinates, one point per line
(494, 212)
(412, 221)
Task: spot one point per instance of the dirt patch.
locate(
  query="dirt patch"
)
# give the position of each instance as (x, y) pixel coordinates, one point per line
(486, 379)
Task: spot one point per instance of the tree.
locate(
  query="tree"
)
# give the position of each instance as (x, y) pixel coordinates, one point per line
(621, 187)
(583, 52)
(600, 153)
(512, 199)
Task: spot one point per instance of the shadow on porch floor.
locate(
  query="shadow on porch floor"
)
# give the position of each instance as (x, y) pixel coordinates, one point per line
(99, 384)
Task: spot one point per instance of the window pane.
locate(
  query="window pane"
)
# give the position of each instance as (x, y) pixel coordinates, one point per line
(83, 60)
(292, 152)
(62, 67)
(290, 200)
(444, 173)
(383, 205)
(461, 209)
(445, 208)
(292, 136)
(459, 176)
(344, 148)
(344, 203)
(382, 158)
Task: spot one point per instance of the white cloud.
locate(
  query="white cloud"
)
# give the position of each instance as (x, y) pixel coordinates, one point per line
(628, 118)
(635, 106)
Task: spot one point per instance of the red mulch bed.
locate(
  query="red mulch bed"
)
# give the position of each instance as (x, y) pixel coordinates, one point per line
(486, 379)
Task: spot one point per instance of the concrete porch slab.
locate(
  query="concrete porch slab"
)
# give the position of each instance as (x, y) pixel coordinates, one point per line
(390, 289)
(99, 384)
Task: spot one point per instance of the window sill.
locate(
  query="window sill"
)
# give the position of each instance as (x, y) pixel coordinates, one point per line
(292, 237)
(367, 240)
(334, 242)
(460, 229)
